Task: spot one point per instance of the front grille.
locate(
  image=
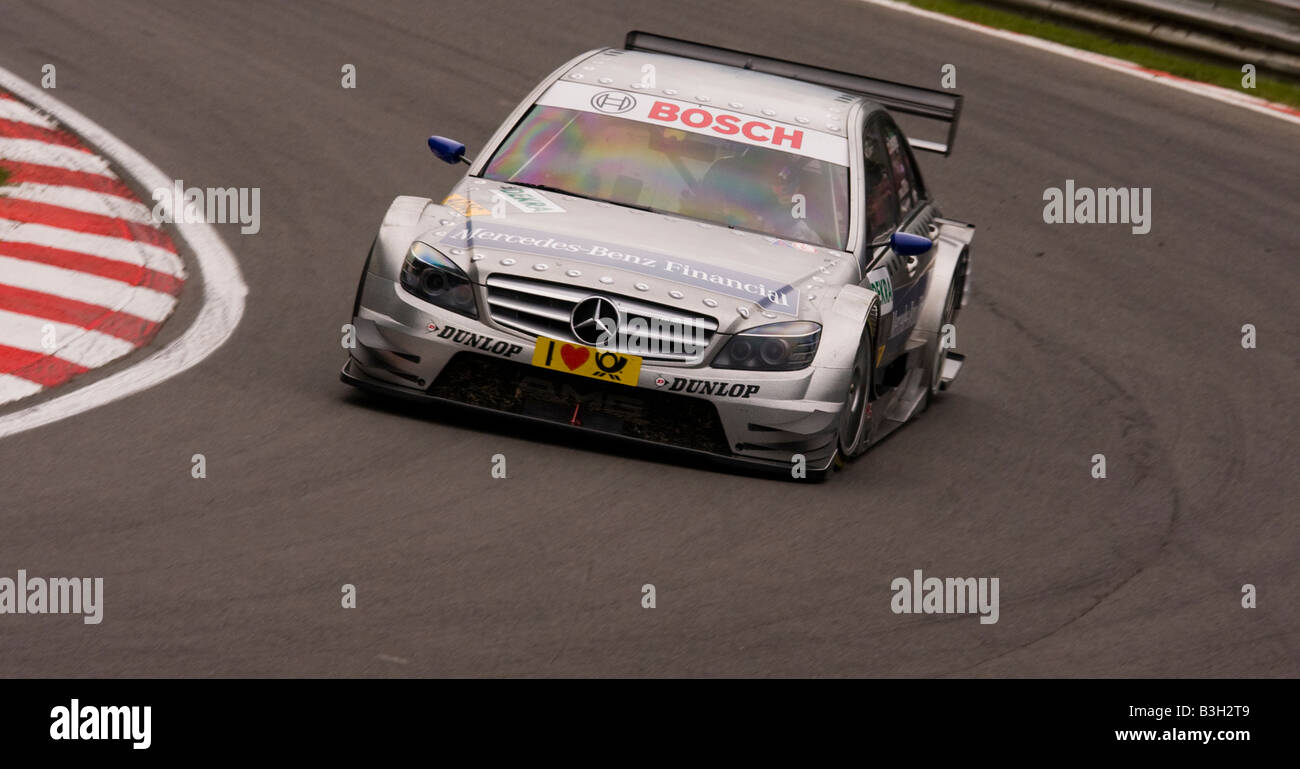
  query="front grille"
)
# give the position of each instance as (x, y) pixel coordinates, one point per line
(634, 412)
(542, 308)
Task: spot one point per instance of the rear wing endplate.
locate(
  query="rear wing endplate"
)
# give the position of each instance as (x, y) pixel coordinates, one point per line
(897, 97)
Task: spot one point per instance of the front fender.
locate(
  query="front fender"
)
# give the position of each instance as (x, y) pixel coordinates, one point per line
(842, 325)
(407, 218)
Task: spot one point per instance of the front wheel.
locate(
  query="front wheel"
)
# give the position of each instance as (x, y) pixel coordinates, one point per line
(855, 418)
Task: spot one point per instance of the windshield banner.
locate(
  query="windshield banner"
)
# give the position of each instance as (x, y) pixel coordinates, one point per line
(698, 119)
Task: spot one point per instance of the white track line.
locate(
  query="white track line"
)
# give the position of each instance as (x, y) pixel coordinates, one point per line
(21, 113)
(1225, 95)
(85, 287)
(118, 249)
(14, 387)
(80, 199)
(223, 286)
(89, 349)
(57, 155)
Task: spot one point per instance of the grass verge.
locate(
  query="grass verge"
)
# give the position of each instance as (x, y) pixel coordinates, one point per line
(1188, 66)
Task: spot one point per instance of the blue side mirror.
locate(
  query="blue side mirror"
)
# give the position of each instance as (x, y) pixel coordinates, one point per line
(907, 244)
(447, 150)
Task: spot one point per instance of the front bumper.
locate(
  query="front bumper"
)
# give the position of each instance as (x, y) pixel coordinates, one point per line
(411, 349)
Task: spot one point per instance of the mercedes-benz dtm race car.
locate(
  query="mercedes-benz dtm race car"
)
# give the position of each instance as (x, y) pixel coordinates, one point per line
(683, 245)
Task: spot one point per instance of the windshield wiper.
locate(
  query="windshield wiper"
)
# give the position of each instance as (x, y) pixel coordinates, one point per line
(549, 188)
(557, 190)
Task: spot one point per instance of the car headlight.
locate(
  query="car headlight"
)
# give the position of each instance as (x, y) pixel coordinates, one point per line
(775, 347)
(437, 280)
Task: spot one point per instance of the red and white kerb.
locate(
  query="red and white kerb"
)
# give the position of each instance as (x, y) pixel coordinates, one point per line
(86, 276)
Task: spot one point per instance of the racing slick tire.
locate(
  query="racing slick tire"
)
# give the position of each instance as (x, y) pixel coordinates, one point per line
(937, 355)
(855, 419)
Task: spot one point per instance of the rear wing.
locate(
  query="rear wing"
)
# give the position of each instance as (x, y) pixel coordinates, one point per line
(897, 97)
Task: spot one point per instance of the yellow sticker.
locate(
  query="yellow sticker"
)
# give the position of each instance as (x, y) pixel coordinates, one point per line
(586, 361)
(465, 207)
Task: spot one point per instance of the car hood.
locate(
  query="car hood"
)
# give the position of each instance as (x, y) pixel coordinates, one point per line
(741, 278)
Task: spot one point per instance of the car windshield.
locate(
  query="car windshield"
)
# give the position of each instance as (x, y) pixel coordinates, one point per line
(670, 170)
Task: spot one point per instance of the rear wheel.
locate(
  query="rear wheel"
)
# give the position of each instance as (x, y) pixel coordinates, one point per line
(940, 353)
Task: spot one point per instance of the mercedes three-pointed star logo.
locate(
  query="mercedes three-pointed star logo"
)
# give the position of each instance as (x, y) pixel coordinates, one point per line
(595, 321)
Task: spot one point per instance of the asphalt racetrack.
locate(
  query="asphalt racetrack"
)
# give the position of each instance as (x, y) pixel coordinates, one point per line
(1081, 340)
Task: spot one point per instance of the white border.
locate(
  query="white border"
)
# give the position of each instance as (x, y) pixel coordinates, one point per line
(223, 285)
(1217, 93)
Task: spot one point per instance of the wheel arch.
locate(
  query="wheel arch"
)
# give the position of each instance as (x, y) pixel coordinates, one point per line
(951, 263)
(854, 309)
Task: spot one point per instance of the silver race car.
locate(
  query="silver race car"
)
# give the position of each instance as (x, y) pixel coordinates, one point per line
(682, 245)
